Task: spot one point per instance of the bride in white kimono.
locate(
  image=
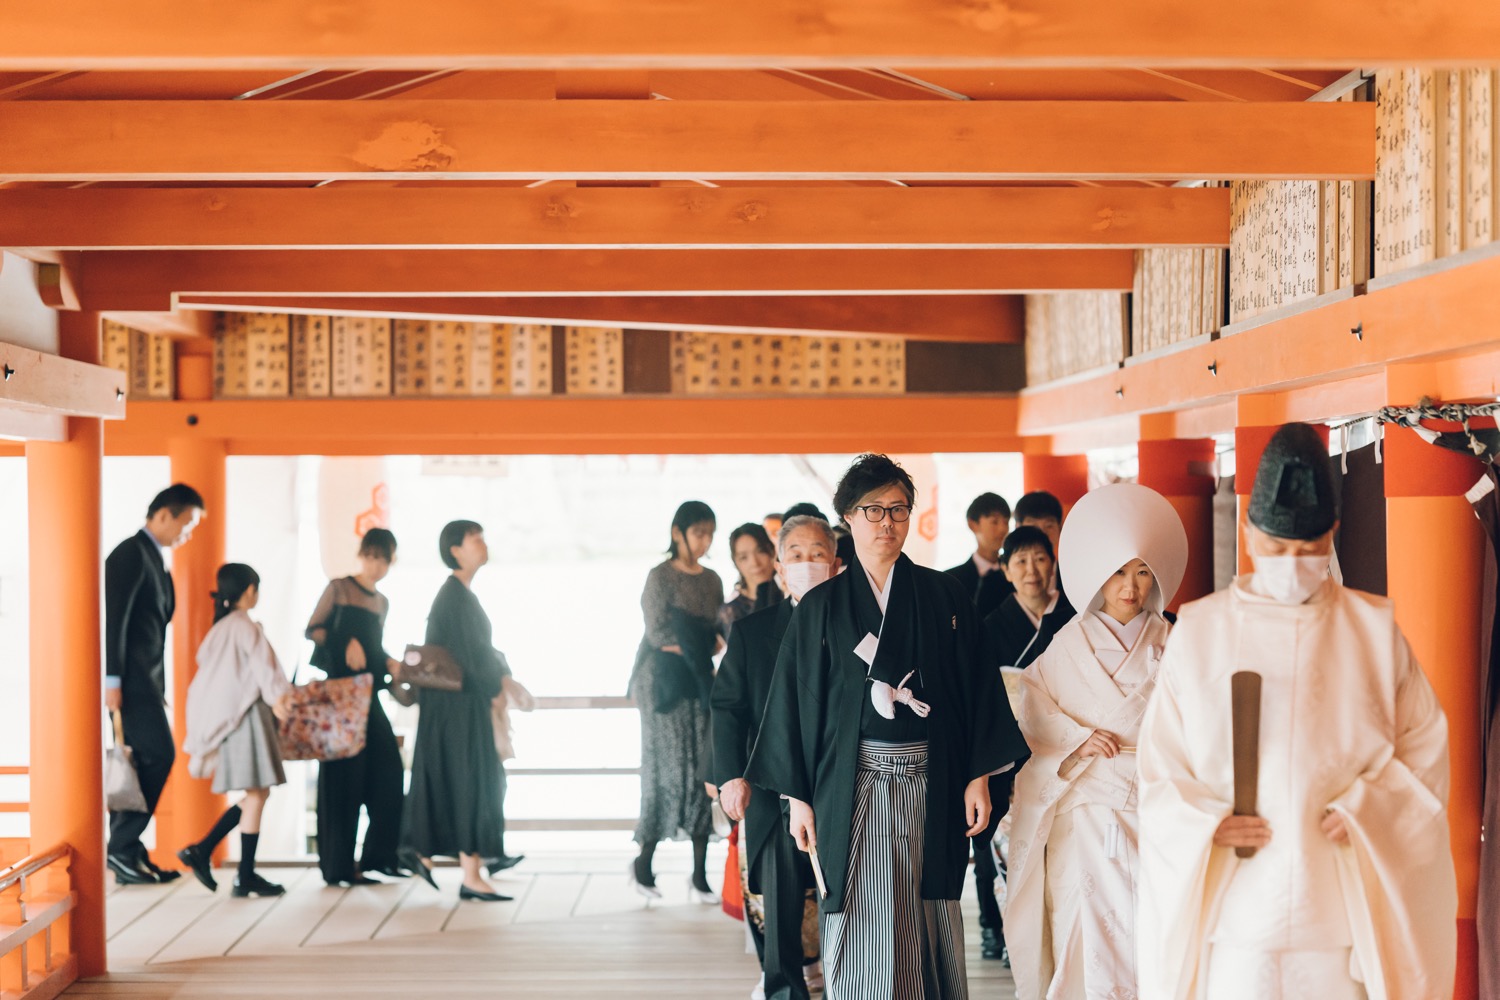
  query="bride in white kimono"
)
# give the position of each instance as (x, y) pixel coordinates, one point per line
(1070, 913)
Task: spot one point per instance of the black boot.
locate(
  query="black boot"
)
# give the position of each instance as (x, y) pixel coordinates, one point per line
(991, 944)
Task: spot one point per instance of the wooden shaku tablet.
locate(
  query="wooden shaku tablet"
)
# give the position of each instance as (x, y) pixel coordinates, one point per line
(1245, 712)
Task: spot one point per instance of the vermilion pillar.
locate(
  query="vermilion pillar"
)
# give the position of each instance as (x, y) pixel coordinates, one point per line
(1435, 563)
(188, 806)
(1249, 444)
(1181, 471)
(67, 754)
(1064, 476)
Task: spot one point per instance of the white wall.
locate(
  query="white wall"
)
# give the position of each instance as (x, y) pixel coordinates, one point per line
(24, 320)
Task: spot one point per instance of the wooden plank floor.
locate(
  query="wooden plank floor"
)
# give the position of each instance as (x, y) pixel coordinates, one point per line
(575, 930)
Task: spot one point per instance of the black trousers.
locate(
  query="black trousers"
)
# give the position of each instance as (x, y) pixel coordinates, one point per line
(783, 874)
(985, 871)
(149, 736)
(373, 779)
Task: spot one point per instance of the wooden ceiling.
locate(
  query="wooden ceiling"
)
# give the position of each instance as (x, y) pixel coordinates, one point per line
(660, 161)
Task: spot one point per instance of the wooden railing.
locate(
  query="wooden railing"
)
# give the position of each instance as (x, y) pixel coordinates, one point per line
(14, 807)
(558, 824)
(36, 896)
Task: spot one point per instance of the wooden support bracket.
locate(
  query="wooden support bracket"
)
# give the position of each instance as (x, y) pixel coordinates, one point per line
(45, 384)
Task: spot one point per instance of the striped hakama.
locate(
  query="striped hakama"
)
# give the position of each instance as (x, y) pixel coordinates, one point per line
(889, 942)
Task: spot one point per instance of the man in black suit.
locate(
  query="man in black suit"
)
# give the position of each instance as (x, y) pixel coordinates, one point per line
(138, 604)
(777, 870)
(983, 578)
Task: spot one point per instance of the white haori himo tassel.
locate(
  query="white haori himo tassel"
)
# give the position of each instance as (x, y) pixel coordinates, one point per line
(884, 698)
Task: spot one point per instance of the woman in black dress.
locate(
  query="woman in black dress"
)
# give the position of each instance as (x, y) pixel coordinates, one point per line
(347, 629)
(454, 806)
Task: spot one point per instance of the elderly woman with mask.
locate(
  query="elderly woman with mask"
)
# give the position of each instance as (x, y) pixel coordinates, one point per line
(776, 876)
(1070, 912)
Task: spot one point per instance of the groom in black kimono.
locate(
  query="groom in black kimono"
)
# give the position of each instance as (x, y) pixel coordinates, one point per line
(805, 557)
(885, 796)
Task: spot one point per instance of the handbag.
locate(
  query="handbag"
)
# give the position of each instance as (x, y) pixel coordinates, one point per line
(431, 667)
(732, 898)
(122, 786)
(327, 720)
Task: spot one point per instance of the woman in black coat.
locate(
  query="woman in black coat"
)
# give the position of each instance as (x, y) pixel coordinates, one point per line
(454, 805)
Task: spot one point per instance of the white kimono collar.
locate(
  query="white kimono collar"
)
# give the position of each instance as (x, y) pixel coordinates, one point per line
(1126, 634)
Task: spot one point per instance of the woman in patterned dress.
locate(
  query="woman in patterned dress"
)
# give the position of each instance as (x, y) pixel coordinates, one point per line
(681, 605)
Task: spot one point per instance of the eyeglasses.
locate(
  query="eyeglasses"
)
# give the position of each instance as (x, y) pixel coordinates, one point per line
(875, 512)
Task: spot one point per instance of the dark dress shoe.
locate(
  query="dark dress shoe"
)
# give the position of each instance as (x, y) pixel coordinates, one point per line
(464, 892)
(162, 874)
(991, 945)
(390, 871)
(130, 872)
(256, 886)
(358, 879)
(506, 861)
(412, 860)
(200, 863)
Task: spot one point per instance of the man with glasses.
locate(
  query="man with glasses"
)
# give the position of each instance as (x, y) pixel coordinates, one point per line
(883, 722)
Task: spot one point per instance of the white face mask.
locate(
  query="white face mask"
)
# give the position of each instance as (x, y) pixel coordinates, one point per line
(801, 577)
(1289, 579)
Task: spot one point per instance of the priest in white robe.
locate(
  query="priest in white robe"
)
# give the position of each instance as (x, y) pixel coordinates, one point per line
(1350, 893)
(1071, 893)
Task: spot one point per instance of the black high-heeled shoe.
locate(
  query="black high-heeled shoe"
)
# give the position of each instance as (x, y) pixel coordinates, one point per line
(465, 893)
(506, 861)
(413, 861)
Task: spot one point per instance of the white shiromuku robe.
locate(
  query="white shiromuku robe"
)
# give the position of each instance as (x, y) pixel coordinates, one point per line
(1348, 723)
(1070, 895)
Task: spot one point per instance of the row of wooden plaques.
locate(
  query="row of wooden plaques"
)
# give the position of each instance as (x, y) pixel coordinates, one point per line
(732, 364)
(1436, 175)
(275, 355)
(148, 360)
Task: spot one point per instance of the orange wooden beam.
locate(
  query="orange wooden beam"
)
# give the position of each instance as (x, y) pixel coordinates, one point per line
(986, 319)
(606, 218)
(146, 280)
(803, 425)
(512, 34)
(1451, 311)
(713, 140)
